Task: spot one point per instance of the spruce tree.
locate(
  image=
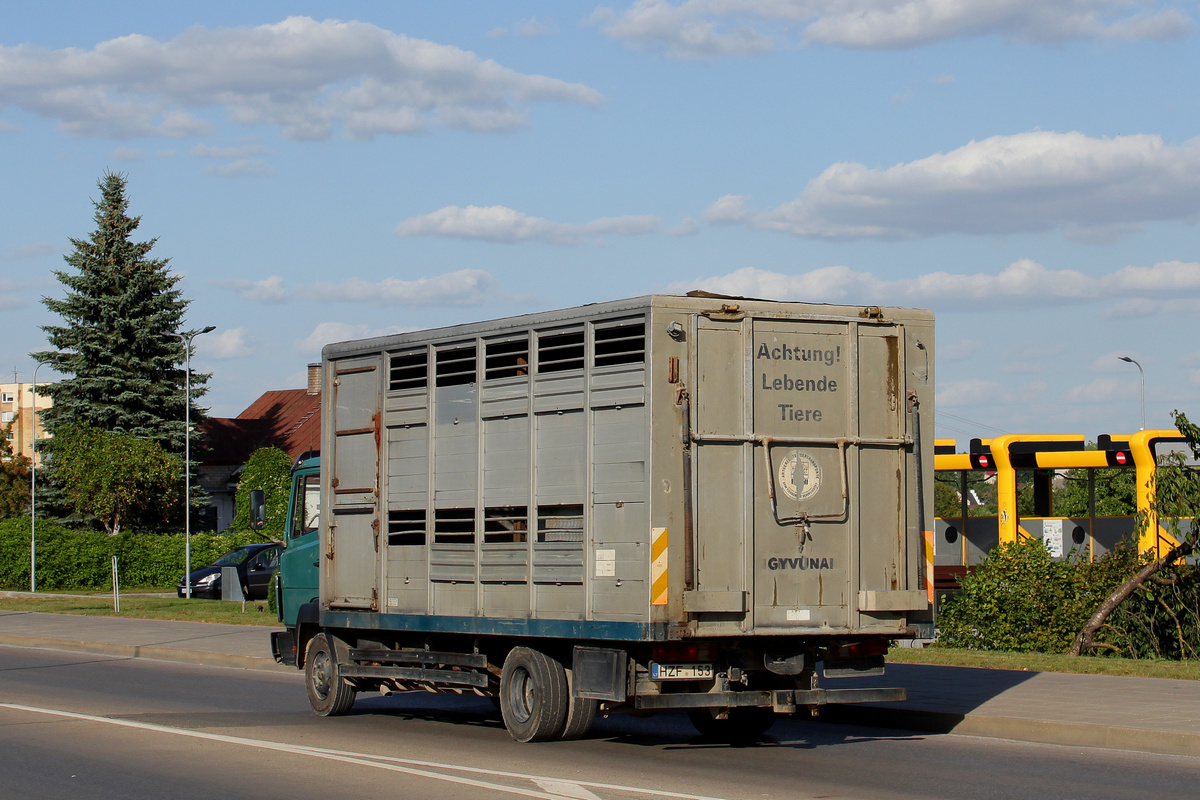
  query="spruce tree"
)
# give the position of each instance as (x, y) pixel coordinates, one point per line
(124, 368)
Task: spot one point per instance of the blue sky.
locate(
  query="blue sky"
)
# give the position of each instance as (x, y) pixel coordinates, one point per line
(322, 171)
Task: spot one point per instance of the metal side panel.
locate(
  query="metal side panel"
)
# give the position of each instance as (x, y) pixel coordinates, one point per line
(352, 439)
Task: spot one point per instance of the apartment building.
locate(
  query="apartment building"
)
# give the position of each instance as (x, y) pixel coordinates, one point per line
(17, 406)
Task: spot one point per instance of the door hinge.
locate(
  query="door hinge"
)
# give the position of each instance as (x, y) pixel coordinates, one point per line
(375, 532)
(728, 312)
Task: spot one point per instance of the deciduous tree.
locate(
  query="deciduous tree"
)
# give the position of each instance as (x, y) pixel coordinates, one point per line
(115, 476)
(14, 478)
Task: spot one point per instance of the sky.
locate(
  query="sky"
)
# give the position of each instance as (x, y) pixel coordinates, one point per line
(322, 171)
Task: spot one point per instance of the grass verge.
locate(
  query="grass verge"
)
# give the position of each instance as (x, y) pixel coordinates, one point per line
(194, 610)
(256, 613)
(1047, 662)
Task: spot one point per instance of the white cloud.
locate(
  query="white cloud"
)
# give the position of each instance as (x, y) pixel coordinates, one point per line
(976, 392)
(535, 27)
(243, 166)
(222, 345)
(944, 80)
(240, 151)
(1145, 307)
(686, 227)
(958, 351)
(327, 332)
(6, 127)
(462, 288)
(1109, 362)
(35, 250)
(128, 154)
(502, 224)
(307, 77)
(1025, 283)
(1027, 183)
(689, 30)
(710, 28)
(1104, 390)
(269, 290)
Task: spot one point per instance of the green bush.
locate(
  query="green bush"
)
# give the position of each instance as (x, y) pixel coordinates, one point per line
(1021, 599)
(69, 559)
(268, 469)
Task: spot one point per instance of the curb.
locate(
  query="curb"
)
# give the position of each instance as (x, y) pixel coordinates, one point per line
(201, 657)
(1020, 729)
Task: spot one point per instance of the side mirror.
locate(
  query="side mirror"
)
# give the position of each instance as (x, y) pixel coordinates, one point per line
(258, 509)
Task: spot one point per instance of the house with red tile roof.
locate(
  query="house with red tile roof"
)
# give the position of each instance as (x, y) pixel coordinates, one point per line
(289, 419)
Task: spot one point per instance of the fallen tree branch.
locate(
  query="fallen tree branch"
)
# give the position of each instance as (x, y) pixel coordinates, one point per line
(1085, 639)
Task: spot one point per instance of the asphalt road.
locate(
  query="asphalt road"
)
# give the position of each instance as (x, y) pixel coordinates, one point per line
(82, 726)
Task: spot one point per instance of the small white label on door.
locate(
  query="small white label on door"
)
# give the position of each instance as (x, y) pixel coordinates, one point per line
(606, 563)
(799, 615)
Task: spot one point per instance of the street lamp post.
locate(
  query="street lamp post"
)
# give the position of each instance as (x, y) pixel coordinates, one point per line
(33, 484)
(1143, 374)
(187, 338)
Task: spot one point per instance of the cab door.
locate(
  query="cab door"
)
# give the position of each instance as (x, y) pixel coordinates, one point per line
(300, 559)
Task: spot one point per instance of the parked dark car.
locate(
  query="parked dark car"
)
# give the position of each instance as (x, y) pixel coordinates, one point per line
(255, 563)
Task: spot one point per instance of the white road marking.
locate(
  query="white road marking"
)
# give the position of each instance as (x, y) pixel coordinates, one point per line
(555, 788)
(566, 789)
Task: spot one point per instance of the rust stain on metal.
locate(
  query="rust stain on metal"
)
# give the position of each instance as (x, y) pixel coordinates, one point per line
(893, 372)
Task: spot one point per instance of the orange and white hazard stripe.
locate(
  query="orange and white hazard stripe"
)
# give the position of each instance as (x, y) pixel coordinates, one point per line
(928, 548)
(658, 567)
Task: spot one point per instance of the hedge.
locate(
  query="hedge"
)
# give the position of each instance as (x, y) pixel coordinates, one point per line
(1021, 599)
(81, 559)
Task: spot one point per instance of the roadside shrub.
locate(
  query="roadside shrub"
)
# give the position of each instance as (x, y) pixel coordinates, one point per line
(1021, 599)
(69, 559)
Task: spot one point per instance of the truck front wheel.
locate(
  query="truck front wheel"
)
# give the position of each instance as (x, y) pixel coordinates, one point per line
(533, 695)
(328, 694)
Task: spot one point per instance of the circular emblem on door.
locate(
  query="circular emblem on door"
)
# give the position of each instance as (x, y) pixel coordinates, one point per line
(799, 475)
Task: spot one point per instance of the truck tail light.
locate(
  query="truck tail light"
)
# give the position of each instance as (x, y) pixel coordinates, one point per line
(863, 649)
(682, 651)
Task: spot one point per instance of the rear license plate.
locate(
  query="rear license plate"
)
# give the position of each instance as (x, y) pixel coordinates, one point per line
(680, 672)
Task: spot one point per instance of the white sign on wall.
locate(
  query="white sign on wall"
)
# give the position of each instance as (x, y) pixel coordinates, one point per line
(1052, 535)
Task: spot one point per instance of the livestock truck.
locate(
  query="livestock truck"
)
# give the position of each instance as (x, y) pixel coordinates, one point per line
(662, 503)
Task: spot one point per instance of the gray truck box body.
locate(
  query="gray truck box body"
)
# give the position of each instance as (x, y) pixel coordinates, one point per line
(663, 467)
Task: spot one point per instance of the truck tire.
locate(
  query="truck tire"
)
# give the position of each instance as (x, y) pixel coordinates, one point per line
(533, 695)
(581, 713)
(328, 694)
(743, 725)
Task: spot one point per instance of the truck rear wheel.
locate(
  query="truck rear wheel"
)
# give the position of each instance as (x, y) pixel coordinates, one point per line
(533, 695)
(743, 724)
(328, 694)
(581, 713)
